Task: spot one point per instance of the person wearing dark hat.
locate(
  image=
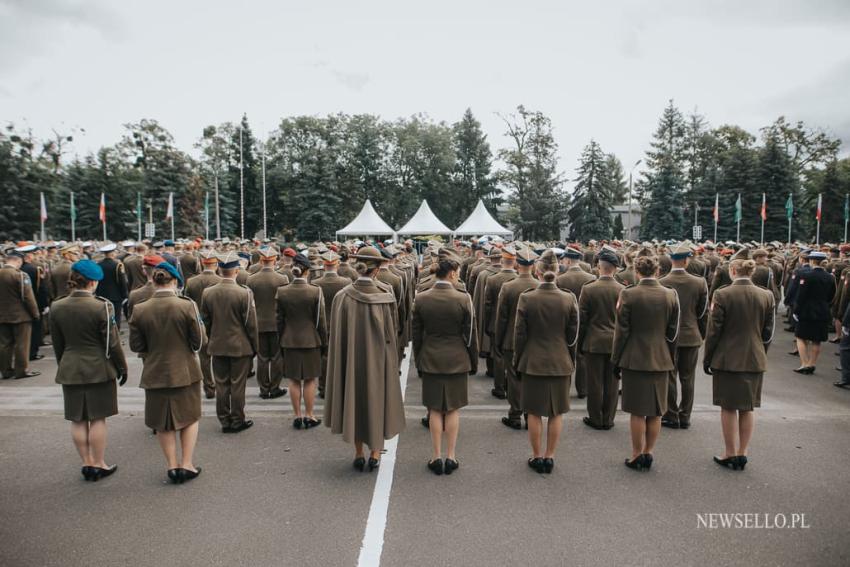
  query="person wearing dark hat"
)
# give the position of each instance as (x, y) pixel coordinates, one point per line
(194, 290)
(91, 364)
(446, 352)
(143, 293)
(330, 283)
(692, 292)
(812, 312)
(230, 317)
(478, 295)
(18, 310)
(492, 289)
(242, 275)
(503, 340)
(345, 270)
(545, 335)
(598, 312)
(740, 328)
(167, 332)
(190, 262)
(363, 400)
(61, 271)
(113, 286)
(34, 270)
(644, 339)
(573, 280)
(265, 284)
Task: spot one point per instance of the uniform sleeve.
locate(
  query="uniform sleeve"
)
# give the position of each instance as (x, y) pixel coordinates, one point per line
(769, 322)
(251, 323)
(29, 296)
(572, 329)
(206, 312)
(470, 335)
(417, 330)
(622, 328)
(280, 315)
(702, 309)
(57, 337)
(489, 307)
(716, 319)
(584, 315)
(116, 352)
(321, 319)
(672, 331)
(138, 341)
(520, 330)
(196, 331)
(501, 324)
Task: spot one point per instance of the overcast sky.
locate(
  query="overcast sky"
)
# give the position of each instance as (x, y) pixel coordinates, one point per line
(602, 70)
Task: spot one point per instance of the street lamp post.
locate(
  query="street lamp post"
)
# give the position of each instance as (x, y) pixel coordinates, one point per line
(629, 226)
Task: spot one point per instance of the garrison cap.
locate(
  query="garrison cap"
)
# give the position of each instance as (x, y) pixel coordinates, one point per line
(607, 254)
(526, 257)
(330, 257)
(681, 251)
(268, 252)
(573, 254)
(88, 269)
(208, 257)
(70, 249)
(229, 260)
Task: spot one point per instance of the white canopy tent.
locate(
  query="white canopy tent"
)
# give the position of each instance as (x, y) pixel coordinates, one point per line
(481, 222)
(366, 223)
(423, 222)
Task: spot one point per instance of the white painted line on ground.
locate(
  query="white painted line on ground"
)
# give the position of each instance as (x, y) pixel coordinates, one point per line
(376, 524)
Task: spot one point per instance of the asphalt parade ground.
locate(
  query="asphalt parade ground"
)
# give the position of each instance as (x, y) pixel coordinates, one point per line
(276, 496)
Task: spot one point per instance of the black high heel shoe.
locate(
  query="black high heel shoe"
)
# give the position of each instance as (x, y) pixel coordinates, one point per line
(359, 463)
(647, 461)
(297, 423)
(100, 473)
(728, 462)
(636, 464)
(450, 466)
(373, 463)
(436, 466)
(186, 474)
(87, 472)
(174, 476)
(742, 461)
(548, 465)
(536, 463)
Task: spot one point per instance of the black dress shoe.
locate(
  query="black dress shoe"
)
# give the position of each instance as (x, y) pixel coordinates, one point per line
(310, 422)
(841, 384)
(186, 474)
(742, 461)
(512, 423)
(373, 463)
(359, 463)
(210, 396)
(498, 394)
(450, 466)
(548, 465)
(28, 374)
(436, 466)
(802, 370)
(728, 462)
(581, 396)
(669, 423)
(588, 422)
(794, 353)
(297, 423)
(88, 472)
(247, 424)
(636, 463)
(536, 463)
(264, 395)
(174, 476)
(608, 426)
(37, 357)
(276, 393)
(684, 425)
(100, 473)
(647, 461)
(425, 423)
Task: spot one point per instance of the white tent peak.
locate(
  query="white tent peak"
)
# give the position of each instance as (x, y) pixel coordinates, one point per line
(367, 223)
(424, 221)
(480, 222)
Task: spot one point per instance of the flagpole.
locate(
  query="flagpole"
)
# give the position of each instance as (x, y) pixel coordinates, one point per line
(763, 214)
(716, 214)
(846, 214)
(817, 236)
(738, 214)
(139, 215)
(789, 212)
(73, 220)
(217, 210)
(171, 202)
(241, 188)
(44, 210)
(207, 215)
(265, 232)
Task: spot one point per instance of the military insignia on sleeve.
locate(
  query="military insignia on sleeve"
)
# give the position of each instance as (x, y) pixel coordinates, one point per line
(802, 281)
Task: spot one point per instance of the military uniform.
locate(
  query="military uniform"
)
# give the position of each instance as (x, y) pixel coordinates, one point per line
(194, 289)
(573, 280)
(230, 317)
(40, 289)
(330, 283)
(134, 267)
(492, 289)
(18, 309)
(265, 284)
(113, 286)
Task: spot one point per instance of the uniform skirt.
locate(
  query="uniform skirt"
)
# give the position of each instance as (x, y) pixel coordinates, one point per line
(171, 409)
(302, 363)
(812, 330)
(736, 390)
(88, 402)
(444, 392)
(645, 392)
(545, 396)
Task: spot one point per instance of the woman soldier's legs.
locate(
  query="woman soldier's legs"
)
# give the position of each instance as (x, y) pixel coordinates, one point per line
(80, 435)
(746, 425)
(435, 424)
(553, 434)
(452, 423)
(729, 425)
(309, 392)
(295, 396)
(97, 442)
(645, 431)
(653, 429)
(188, 440)
(168, 444)
(535, 434)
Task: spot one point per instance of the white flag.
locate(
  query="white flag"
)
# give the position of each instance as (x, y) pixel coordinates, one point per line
(169, 213)
(43, 209)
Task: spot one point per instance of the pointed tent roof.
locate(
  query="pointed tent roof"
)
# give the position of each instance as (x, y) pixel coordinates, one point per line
(424, 221)
(366, 223)
(481, 222)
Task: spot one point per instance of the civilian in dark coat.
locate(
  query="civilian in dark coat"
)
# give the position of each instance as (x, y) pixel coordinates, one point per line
(812, 312)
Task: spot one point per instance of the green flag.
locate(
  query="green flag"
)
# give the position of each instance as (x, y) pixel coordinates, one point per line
(738, 215)
(789, 207)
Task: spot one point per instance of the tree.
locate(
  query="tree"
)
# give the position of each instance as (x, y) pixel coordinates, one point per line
(242, 180)
(775, 178)
(618, 229)
(531, 174)
(473, 179)
(590, 208)
(215, 155)
(663, 185)
(614, 180)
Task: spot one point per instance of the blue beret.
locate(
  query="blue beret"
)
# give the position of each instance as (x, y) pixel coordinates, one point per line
(88, 269)
(169, 243)
(168, 267)
(244, 255)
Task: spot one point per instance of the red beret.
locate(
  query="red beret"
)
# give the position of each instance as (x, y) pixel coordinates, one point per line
(289, 252)
(334, 247)
(153, 260)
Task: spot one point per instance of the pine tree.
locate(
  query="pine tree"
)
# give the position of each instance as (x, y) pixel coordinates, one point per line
(473, 179)
(590, 209)
(663, 186)
(614, 180)
(776, 179)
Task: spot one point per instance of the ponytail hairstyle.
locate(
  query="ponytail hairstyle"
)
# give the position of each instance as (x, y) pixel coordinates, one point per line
(366, 268)
(161, 277)
(77, 281)
(646, 266)
(300, 265)
(743, 268)
(548, 266)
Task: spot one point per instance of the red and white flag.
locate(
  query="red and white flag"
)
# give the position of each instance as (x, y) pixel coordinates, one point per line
(102, 212)
(820, 202)
(763, 207)
(169, 212)
(716, 211)
(43, 209)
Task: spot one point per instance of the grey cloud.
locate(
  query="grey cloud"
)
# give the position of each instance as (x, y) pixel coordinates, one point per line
(355, 81)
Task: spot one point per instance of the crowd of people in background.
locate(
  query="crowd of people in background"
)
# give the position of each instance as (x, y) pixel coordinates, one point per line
(621, 322)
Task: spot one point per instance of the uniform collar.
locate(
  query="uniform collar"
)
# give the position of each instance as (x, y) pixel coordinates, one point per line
(526, 276)
(510, 270)
(574, 268)
(82, 293)
(605, 277)
(443, 283)
(742, 281)
(165, 292)
(547, 285)
(299, 281)
(648, 281)
(677, 270)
